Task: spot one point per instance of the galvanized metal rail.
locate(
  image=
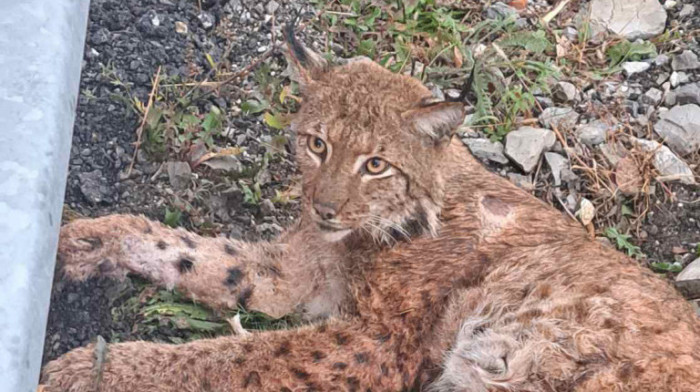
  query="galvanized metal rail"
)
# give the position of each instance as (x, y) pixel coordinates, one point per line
(41, 50)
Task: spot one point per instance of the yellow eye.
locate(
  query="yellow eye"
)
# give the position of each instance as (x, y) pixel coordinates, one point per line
(317, 146)
(376, 166)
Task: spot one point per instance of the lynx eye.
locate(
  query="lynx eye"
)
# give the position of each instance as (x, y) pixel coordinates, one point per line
(317, 146)
(376, 166)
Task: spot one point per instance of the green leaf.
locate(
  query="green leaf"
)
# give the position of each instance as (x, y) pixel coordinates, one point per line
(666, 267)
(204, 326)
(623, 243)
(367, 48)
(626, 210)
(213, 120)
(251, 196)
(532, 41)
(254, 106)
(188, 121)
(172, 217)
(629, 51)
(275, 121)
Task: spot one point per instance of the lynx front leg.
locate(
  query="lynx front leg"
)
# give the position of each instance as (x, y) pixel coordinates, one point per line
(334, 357)
(274, 278)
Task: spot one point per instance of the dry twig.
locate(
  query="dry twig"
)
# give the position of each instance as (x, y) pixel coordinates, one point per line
(139, 130)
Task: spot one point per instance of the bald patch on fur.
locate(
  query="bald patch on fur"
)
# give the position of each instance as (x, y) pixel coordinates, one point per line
(495, 215)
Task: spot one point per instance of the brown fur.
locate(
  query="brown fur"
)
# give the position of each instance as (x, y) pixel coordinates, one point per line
(509, 295)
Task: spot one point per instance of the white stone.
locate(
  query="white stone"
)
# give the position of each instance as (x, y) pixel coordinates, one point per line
(686, 11)
(593, 133)
(633, 67)
(690, 272)
(678, 78)
(680, 128)
(525, 146)
(557, 163)
(630, 19)
(653, 96)
(486, 150)
(685, 61)
(670, 166)
(564, 118)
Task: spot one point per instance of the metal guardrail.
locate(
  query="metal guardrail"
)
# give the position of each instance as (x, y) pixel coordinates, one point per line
(41, 50)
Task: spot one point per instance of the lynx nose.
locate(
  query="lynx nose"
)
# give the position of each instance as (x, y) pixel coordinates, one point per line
(326, 211)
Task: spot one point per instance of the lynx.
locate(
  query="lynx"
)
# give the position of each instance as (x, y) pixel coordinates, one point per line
(415, 267)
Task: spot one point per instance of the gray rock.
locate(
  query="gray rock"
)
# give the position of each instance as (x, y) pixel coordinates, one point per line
(633, 67)
(525, 146)
(92, 186)
(562, 118)
(545, 102)
(685, 61)
(653, 97)
(663, 77)
(500, 11)
(630, 19)
(612, 153)
(225, 163)
(557, 163)
(524, 182)
(661, 60)
(272, 7)
(593, 133)
(565, 92)
(690, 272)
(570, 33)
(686, 11)
(690, 93)
(267, 207)
(678, 78)
(680, 128)
(486, 150)
(206, 19)
(667, 163)
(179, 174)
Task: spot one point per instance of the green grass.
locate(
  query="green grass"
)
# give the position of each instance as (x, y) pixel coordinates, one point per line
(449, 43)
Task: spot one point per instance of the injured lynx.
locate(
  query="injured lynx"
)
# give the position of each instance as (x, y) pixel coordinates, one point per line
(494, 291)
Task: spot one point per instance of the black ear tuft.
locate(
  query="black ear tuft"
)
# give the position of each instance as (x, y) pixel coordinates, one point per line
(305, 64)
(466, 87)
(295, 47)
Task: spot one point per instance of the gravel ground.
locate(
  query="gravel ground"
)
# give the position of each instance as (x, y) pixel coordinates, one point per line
(127, 41)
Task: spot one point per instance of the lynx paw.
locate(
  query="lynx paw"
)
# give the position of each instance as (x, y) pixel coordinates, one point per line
(73, 372)
(90, 247)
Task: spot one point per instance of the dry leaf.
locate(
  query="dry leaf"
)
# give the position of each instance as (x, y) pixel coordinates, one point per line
(518, 4)
(628, 177)
(586, 211)
(458, 59)
(679, 250)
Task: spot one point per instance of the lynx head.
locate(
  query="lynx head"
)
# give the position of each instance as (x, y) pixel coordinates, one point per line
(369, 145)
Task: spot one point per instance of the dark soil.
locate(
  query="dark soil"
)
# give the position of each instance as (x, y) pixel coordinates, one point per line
(672, 228)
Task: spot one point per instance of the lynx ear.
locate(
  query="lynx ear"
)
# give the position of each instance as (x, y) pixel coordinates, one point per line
(305, 64)
(438, 121)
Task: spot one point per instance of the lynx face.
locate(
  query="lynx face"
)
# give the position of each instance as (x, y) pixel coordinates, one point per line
(369, 145)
